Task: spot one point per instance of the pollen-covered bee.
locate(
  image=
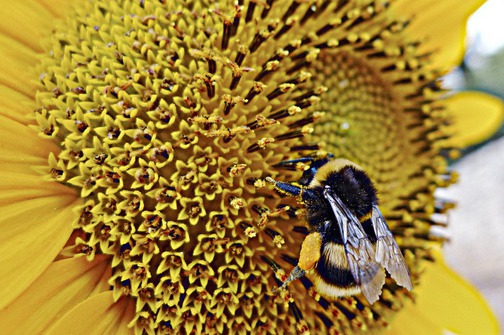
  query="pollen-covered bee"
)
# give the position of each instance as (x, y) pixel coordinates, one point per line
(349, 243)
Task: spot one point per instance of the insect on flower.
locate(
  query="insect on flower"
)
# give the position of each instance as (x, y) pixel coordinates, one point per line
(349, 243)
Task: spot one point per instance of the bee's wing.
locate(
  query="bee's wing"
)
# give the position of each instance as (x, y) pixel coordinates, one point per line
(388, 253)
(367, 273)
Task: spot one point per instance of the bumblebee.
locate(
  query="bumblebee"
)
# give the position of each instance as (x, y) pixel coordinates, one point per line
(349, 244)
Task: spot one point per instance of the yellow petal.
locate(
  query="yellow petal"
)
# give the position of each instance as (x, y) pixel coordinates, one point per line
(32, 233)
(440, 26)
(445, 304)
(18, 187)
(18, 61)
(61, 287)
(476, 117)
(24, 27)
(97, 315)
(58, 8)
(18, 137)
(28, 22)
(21, 149)
(36, 215)
(15, 105)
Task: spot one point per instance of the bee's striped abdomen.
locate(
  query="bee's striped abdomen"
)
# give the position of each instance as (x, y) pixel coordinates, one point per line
(332, 277)
(333, 266)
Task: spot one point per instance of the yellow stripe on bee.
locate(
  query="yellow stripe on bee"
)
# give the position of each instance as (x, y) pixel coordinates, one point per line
(310, 251)
(331, 291)
(331, 167)
(333, 257)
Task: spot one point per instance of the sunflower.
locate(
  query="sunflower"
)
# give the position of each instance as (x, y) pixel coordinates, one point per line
(136, 136)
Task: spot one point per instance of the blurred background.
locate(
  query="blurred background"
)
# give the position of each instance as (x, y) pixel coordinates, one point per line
(476, 230)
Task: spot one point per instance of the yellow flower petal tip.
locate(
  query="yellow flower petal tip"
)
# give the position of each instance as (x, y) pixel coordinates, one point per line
(440, 25)
(476, 116)
(445, 304)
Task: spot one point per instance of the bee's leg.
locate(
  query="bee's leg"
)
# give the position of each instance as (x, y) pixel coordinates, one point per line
(296, 273)
(308, 257)
(292, 306)
(286, 188)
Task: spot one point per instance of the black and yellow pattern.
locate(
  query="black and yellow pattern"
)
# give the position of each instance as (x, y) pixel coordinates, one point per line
(347, 232)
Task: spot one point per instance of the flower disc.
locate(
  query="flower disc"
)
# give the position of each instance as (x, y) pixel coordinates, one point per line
(170, 114)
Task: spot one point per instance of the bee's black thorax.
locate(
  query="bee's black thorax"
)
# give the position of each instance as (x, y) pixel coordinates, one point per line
(354, 188)
(356, 191)
(317, 209)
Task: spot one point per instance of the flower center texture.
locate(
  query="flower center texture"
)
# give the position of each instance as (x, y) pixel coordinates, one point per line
(170, 114)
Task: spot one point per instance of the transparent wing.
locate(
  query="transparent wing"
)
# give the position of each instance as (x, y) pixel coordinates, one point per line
(367, 273)
(388, 253)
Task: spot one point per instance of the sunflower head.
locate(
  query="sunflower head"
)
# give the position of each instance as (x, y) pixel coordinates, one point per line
(170, 114)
